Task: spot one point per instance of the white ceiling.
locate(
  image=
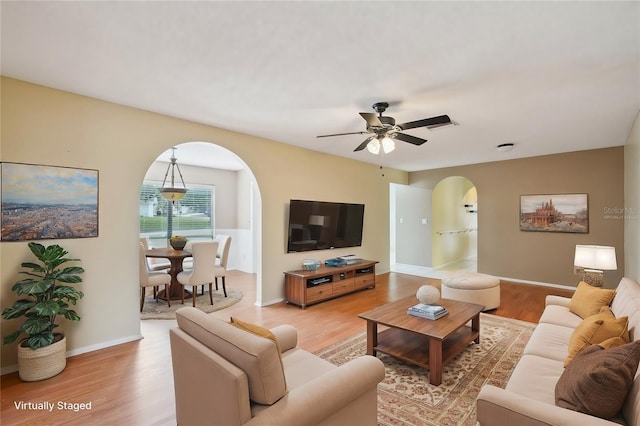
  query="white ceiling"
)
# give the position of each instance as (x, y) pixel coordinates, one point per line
(549, 77)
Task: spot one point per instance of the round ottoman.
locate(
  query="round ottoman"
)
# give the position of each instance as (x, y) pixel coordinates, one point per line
(472, 287)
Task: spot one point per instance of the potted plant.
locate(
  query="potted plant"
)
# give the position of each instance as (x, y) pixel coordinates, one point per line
(178, 242)
(42, 299)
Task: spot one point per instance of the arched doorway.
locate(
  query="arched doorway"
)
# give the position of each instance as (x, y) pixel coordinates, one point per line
(454, 202)
(232, 203)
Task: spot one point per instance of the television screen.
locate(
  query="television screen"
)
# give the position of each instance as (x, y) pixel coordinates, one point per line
(319, 225)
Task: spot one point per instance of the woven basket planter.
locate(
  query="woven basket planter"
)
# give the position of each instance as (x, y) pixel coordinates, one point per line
(42, 363)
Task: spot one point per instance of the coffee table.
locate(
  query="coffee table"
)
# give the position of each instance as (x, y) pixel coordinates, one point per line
(420, 341)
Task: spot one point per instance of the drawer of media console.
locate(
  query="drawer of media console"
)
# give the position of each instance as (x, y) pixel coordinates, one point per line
(365, 280)
(343, 286)
(319, 292)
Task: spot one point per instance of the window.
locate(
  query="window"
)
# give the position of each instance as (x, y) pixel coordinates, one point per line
(192, 216)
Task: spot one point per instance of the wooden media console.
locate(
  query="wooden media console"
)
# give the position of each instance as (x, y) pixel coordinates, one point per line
(303, 287)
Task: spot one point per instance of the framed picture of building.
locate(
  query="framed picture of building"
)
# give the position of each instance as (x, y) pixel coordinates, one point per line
(554, 213)
(47, 202)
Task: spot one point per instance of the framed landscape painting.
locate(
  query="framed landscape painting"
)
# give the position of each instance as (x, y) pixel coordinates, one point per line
(554, 213)
(48, 202)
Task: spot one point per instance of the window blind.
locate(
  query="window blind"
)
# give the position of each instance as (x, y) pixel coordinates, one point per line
(193, 216)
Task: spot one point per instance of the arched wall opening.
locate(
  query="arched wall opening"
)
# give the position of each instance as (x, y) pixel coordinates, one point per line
(236, 200)
(454, 203)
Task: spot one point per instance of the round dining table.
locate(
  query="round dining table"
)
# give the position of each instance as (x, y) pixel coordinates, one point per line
(175, 258)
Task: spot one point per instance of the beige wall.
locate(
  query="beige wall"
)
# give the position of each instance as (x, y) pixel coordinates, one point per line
(631, 210)
(454, 233)
(503, 249)
(46, 126)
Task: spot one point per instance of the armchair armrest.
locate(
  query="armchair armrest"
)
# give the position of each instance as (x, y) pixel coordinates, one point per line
(287, 336)
(557, 300)
(326, 395)
(497, 406)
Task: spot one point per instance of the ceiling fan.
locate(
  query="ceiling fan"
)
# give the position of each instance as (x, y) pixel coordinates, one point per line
(385, 130)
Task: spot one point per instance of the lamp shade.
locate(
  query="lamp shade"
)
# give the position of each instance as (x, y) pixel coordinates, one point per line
(596, 257)
(374, 146)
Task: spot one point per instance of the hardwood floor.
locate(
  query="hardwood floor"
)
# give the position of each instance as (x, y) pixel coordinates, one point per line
(132, 383)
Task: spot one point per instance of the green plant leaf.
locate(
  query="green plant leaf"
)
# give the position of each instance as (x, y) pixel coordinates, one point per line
(40, 340)
(34, 266)
(48, 308)
(31, 286)
(35, 325)
(12, 337)
(18, 309)
(72, 315)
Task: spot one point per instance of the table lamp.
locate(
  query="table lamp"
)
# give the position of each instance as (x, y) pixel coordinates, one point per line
(595, 260)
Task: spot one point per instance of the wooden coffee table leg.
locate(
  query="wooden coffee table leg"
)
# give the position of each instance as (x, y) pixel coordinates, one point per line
(475, 326)
(435, 361)
(372, 337)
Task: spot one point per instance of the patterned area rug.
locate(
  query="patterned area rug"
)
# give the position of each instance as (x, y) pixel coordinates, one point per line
(159, 310)
(405, 396)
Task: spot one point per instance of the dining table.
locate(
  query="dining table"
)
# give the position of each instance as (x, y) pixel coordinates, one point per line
(176, 257)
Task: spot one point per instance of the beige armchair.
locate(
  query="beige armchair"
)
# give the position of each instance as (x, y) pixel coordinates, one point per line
(229, 376)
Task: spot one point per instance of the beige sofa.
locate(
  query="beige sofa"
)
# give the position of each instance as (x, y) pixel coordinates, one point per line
(529, 397)
(226, 375)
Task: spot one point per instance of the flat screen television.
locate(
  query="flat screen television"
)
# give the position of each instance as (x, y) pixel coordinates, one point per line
(320, 225)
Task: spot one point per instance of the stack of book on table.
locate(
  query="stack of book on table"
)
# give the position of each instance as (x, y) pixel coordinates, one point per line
(427, 311)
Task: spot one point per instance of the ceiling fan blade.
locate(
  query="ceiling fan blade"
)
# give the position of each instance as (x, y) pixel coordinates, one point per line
(372, 119)
(364, 144)
(342, 134)
(441, 120)
(408, 138)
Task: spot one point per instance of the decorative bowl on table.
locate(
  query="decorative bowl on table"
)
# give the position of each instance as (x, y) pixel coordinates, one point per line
(178, 242)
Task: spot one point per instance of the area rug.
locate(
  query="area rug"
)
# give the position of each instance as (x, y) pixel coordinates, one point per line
(159, 310)
(405, 396)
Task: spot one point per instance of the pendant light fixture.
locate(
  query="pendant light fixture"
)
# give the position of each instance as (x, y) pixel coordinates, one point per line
(173, 192)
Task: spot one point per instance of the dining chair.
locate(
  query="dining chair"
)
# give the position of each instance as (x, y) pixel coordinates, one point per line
(204, 269)
(151, 279)
(222, 257)
(154, 264)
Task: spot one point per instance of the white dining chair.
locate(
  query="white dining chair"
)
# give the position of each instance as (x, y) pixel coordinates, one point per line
(155, 264)
(222, 258)
(151, 279)
(203, 271)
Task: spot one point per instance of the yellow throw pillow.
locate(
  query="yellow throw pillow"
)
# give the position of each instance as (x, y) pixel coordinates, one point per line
(612, 343)
(597, 329)
(587, 300)
(255, 329)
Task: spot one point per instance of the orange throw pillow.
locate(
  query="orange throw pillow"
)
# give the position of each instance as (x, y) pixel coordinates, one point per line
(597, 329)
(588, 300)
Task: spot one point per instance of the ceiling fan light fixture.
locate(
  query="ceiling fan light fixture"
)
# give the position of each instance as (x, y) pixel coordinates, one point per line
(388, 145)
(374, 146)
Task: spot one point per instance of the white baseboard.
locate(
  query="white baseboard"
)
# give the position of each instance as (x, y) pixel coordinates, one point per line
(13, 368)
(270, 302)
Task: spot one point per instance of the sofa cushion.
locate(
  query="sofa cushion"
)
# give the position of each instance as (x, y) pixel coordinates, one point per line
(257, 356)
(549, 341)
(596, 329)
(598, 380)
(588, 300)
(535, 377)
(560, 315)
